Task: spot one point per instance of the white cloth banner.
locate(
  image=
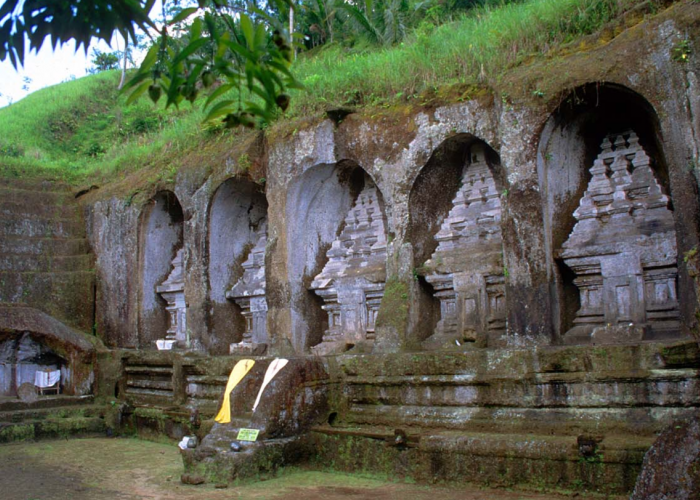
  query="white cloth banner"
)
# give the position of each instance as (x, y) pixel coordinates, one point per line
(272, 370)
(46, 379)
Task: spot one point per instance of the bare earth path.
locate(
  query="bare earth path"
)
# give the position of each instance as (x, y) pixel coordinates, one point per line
(130, 469)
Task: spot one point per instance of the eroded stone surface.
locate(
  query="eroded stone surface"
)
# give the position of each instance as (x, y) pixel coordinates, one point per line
(671, 467)
(623, 249)
(467, 266)
(351, 283)
(173, 291)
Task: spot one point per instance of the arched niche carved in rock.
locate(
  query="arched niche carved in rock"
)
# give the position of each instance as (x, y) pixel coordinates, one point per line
(609, 220)
(162, 312)
(337, 256)
(455, 227)
(22, 356)
(237, 241)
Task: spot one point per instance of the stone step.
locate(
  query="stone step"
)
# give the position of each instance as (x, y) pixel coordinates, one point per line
(641, 421)
(52, 427)
(36, 414)
(151, 421)
(606, 464)
(38, 197)
(41, 228)
(45, 402)
(18, 208)
(656, 387)
(43, 246)
(60, 263)
(68, 296)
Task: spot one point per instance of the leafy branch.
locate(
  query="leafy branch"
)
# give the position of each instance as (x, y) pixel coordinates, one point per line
(236, 51)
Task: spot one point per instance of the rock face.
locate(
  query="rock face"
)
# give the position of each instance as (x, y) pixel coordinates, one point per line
(173, 291)
(352, 281)
(249, 294)
(467, 266)
(45, 258)
(623, 249)
(671, 467)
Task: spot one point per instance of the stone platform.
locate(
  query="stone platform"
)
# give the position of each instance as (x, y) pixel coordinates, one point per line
(562, 417)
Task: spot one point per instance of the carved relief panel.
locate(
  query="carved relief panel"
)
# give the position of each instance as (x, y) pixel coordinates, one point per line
(249, 294)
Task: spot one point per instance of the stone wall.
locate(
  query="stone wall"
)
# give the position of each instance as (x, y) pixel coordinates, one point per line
(305, 182)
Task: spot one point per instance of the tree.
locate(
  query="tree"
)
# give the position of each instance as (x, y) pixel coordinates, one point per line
(102, 61)
(249, 52)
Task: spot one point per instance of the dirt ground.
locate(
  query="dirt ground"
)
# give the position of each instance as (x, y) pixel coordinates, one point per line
(129, 469)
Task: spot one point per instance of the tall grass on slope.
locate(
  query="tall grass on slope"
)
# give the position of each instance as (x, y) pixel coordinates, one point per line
(477, 47)
(83, 126)
(24, 124)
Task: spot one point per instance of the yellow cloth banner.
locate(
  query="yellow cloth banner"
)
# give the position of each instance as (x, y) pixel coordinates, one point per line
(237, 374)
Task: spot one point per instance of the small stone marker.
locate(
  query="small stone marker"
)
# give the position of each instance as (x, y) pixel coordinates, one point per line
(27, 393)
(193, 479)
(248, 434)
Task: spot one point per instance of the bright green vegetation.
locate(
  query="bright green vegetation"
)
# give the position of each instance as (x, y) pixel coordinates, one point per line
(83, 128)
(474, 49)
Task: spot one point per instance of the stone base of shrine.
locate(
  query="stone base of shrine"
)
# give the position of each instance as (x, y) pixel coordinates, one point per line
(248, 349)
(330, 348)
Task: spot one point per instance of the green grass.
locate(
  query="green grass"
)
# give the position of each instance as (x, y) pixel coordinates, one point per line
(475, 49)
(83, 128)
(79, 127)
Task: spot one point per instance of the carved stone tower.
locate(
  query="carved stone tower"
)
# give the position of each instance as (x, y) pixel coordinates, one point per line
(249, 294)
(623, 250)
(352, 281)
(173, 291)
(466, 269)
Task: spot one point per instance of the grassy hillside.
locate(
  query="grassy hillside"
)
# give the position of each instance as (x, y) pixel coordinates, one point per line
(83, 128)
(72, 129)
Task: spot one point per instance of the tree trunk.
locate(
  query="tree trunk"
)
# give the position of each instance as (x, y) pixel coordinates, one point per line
(122, 80)
(291, 31)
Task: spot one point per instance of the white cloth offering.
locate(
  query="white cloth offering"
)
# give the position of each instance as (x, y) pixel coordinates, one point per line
(46, 379)
(183, 444)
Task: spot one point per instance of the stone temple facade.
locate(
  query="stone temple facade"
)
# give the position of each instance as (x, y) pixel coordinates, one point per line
(466, 269)
(249, 294)
(351, 283)
(623, 249)
(173, 291)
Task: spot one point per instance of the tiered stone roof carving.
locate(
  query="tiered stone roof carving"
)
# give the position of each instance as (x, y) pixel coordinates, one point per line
(351, 283)
(466, 269)
(623, 248)
(249, 294)
(173, 291)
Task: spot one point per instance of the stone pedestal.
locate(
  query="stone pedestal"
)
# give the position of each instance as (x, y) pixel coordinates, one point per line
(623, 250)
